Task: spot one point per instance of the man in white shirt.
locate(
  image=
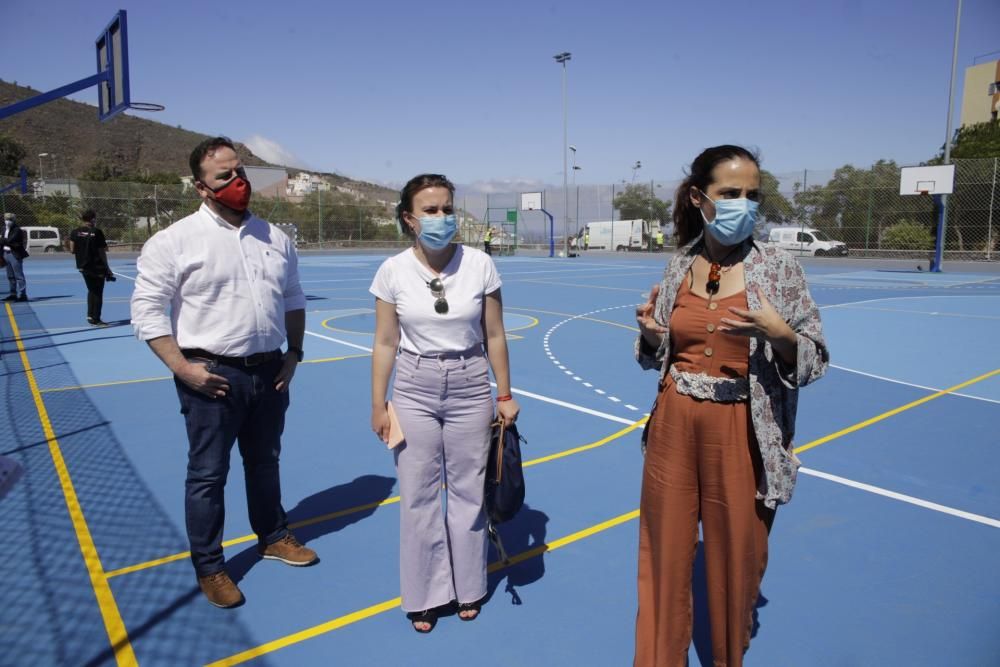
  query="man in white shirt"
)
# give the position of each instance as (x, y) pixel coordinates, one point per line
(215, 297)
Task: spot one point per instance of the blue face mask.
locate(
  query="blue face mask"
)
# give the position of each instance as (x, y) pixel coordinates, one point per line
(734, 220)
(436, 233)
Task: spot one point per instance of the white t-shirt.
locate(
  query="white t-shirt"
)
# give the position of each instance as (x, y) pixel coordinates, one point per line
(467, 278)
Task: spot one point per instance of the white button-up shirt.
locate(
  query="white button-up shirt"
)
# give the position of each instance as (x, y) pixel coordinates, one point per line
(216, 287)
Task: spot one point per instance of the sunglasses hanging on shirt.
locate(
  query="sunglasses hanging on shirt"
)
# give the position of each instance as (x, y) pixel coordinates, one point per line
(437, 290)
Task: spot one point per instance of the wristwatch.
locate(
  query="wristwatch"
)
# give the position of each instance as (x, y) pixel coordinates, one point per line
(297, 351)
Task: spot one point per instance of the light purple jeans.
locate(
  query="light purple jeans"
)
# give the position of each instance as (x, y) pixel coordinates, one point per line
(445, 406)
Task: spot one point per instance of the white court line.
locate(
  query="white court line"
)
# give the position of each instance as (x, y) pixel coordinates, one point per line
(342, 342)
(978, 518)
(910, 384)
(901, 298)
(122, 275)
(937, 313)
(514, 390)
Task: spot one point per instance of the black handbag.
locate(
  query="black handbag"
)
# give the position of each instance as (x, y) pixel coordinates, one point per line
(504, 495)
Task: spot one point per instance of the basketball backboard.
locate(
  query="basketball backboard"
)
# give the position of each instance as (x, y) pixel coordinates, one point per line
(531, 201)
(927, 180)
(112, 62)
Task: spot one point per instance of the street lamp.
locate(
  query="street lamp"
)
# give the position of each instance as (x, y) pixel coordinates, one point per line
(561, 58)
(41, 174)
(636, 167)
(573, 150)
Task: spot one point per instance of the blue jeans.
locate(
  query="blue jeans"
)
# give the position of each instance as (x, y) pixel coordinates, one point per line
(253, 414)
(15, 273)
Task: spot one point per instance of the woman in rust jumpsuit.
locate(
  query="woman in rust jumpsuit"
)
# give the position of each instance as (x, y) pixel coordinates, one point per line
(734, 333)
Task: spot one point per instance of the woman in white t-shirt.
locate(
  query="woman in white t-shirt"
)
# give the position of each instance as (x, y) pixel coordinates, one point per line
(437, 305)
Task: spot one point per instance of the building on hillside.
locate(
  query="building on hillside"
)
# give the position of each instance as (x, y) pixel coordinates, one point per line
(981, 93)
(53, 187)
(304, 183)
(265, 181)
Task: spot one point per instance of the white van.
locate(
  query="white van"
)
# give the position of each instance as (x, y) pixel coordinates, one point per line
(806, 241)
(42, 239)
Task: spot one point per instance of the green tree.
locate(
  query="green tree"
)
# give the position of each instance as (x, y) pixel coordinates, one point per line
(856, 203)
(981, 140)
(774, 207)
(906, 235)
(638, 201)
(11, 156)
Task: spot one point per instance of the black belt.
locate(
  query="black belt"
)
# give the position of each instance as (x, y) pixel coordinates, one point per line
(239, 362)
(474, 351)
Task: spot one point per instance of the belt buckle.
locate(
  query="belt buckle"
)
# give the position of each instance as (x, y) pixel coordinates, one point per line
(252, 360)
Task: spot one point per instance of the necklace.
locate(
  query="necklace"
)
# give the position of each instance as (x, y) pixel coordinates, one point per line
(715, 271)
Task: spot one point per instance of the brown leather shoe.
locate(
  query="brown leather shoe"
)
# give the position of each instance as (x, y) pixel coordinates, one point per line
(220, 590)
(288, 550)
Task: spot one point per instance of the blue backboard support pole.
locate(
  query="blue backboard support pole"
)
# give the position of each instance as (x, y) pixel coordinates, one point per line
(939, 207)
(552, 231)
(112, 76)
(43, 98)
(21, 184)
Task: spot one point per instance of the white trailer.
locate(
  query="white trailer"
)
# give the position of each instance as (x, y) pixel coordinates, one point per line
(619, 235)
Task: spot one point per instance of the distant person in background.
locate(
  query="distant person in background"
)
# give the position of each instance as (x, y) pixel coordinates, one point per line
(659, 238)
(14, 252)
(586, 239)
(439, 322)
(488, 241)
(216, 295)
(88, 244)
(734, 334)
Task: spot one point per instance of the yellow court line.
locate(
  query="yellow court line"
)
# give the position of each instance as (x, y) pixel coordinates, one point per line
(389, 605)
(894, 411)
(113, 623)
(105, 384)
(170, 377)
(361, 508)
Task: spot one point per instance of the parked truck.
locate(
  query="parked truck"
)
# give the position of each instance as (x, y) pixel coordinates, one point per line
(618, 235)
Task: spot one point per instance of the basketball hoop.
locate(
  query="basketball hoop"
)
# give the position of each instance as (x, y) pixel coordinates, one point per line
(924, 192)
(146, 106)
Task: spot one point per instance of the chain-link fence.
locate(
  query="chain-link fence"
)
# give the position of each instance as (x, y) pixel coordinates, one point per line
(861, 207)
(129, 213)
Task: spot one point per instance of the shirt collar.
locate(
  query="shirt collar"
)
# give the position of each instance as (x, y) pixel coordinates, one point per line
(219, 220)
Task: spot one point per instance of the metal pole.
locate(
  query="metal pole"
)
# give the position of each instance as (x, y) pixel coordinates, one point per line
(565, 175)
(319, 205)
(989, 222)
(947, 139)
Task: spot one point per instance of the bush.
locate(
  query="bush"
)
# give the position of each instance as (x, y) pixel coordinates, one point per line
(906, 235)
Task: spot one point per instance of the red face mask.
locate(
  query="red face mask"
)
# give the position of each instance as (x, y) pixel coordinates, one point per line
(235, 194)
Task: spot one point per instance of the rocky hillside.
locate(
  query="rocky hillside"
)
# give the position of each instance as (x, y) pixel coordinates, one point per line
(128, 144)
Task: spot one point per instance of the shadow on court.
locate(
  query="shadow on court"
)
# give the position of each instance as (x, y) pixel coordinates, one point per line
(524, 532)
(361, 492)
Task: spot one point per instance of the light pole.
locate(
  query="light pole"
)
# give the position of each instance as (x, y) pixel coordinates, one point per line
(636, 167)
(943, 200)
(41, 174)
(576, 213)
(561, 58)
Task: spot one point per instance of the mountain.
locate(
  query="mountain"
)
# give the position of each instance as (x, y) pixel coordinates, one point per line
(71, 132)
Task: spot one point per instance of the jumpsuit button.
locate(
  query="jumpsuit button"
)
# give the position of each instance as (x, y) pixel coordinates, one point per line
(709, 351)
(713, 306)
(710, 327)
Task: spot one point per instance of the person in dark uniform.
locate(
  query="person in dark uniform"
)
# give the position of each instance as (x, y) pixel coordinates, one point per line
(88, 244)
(14, 252)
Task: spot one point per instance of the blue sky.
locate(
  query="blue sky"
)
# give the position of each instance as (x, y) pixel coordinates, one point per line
(384, 90)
